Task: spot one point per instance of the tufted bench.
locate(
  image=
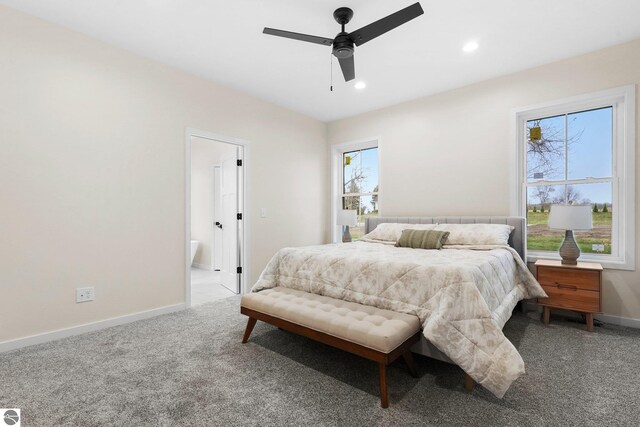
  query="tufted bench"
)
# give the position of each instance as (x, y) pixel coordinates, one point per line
(373, 333)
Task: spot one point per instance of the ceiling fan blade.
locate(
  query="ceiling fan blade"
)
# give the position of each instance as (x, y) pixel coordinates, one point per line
(348, 68)
(297, 36)
(381, 26)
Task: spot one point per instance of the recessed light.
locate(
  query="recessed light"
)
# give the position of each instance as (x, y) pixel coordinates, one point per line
(360, 85)
(470, 47)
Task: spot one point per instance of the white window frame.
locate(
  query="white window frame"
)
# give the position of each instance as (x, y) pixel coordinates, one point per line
(623, 172)
(337, 178)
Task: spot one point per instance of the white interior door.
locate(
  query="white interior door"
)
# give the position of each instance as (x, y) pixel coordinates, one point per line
(229, 213)
(216, 222)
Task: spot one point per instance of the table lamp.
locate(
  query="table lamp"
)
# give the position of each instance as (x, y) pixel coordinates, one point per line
(569, 218)
(347, 217)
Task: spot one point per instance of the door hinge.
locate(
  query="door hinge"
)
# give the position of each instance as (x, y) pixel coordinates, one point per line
(239, 270)
(239, 162)
(239, 216)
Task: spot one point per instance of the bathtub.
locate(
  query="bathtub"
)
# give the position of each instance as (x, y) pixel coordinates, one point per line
(194, 249)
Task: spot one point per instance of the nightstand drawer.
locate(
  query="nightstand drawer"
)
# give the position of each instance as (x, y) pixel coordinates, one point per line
(580, 279)
(570, 297)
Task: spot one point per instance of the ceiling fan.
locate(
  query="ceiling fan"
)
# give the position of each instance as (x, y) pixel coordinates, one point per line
(343, 43)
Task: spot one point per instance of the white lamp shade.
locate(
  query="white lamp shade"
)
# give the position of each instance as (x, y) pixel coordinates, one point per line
(347, 217)
(570, 217)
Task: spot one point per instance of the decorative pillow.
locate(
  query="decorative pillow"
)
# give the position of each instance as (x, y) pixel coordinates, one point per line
(477, 234)
(422, 239)
(391, 232)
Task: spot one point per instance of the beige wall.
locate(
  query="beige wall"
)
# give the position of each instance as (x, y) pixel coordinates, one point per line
(93, 176)
(204, 154)
(451, 153)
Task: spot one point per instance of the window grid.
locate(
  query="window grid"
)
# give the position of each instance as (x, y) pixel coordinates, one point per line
(354, 199)
(566, 182)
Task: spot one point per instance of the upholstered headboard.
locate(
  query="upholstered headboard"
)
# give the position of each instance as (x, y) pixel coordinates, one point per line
(517, 240)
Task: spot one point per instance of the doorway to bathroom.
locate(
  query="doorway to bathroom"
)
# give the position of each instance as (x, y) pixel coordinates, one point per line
(215, 218)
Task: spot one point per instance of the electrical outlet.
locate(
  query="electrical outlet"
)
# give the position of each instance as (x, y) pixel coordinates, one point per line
(84, 294)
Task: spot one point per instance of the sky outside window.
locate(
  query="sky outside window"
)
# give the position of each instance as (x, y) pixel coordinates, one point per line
(364, 164)
(587, 137)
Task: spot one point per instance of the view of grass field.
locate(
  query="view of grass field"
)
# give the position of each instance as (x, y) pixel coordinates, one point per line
(541, 238)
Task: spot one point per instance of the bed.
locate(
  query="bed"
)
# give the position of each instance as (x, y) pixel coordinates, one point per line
(517, 240)
(462, 296)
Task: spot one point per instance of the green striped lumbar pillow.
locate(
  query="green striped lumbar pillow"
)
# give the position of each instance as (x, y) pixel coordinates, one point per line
(422, 239)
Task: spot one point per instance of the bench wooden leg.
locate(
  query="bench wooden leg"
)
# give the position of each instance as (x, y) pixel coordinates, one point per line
(250, 324)
(468, 382)
(384, 399)
(408, 359)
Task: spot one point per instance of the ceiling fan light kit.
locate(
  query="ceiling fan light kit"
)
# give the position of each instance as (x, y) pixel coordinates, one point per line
(343, 44)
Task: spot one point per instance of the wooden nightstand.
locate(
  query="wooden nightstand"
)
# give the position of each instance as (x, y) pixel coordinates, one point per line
(570, 287)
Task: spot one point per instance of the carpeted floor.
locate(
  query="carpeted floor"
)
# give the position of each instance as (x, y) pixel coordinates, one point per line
(189, 368)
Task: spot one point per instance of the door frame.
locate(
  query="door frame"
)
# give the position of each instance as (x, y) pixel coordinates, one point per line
(235, 284)
(246, 224)
(215, 214)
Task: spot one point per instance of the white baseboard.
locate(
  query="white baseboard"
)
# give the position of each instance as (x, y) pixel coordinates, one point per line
(202, 266)
(87, 327)
(618, 320)
(604, 318)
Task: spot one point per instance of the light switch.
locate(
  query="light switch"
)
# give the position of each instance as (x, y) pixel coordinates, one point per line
(263, 212)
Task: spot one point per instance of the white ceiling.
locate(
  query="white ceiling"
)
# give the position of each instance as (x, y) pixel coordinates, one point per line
(222, 40)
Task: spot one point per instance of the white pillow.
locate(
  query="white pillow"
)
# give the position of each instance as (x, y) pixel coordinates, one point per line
(391, 232)
(477, 234)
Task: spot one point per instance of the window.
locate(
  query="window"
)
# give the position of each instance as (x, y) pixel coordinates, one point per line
(580, 152)
(356, 166)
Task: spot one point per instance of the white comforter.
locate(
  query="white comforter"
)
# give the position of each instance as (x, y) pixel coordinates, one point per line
(463, 297)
